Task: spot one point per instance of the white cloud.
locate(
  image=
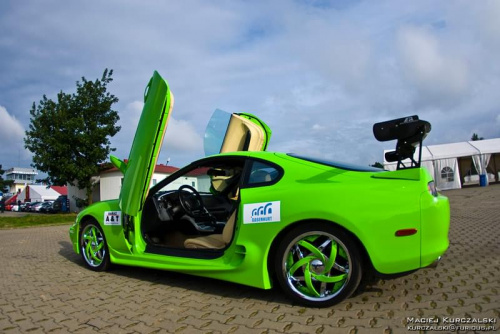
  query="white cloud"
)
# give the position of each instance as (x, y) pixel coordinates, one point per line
(134, 110)
(182, 136)
(11, 130)
(487, 14)
(12, 152)
(333, 45)
(437, 75)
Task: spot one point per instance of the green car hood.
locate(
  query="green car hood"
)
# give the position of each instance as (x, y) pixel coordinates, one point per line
(137, 171)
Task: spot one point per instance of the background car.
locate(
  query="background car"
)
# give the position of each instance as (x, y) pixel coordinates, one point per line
(45, 207)
(29, 206)
(312, 226)
(25, 206)
(37, 207)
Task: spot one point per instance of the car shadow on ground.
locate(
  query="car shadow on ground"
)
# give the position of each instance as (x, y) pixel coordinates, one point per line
(369, 285)
(68, 253)
(183, 281)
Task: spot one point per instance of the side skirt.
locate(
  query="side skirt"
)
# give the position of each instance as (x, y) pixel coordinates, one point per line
(206, 254)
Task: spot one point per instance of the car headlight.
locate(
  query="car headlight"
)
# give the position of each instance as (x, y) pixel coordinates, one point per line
(431, 186)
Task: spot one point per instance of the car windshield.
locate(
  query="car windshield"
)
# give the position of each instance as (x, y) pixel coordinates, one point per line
(216, 131)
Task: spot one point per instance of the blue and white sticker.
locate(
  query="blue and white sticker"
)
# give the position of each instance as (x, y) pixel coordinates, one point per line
(112, 217)
(266, 212)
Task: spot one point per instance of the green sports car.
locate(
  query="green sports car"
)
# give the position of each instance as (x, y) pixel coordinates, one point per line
(257, 218)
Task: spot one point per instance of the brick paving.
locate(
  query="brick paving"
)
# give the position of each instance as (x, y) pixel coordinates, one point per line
(45, 288)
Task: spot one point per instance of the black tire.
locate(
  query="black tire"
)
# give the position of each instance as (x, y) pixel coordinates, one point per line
(305, 272)
(93, 246)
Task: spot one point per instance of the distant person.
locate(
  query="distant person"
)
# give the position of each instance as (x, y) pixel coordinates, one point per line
(2, 205)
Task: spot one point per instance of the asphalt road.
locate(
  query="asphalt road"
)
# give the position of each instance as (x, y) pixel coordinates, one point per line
(45, 288)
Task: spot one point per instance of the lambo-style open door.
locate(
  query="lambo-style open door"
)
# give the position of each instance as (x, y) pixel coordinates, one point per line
(158, 103)
(235, 132)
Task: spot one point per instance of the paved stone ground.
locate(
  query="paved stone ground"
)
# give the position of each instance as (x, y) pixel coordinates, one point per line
(46, 289)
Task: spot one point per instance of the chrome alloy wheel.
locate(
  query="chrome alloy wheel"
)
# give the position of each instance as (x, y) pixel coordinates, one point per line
(317, 266)
(93, 246)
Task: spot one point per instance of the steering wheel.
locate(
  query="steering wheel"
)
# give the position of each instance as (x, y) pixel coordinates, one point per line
(191, 202)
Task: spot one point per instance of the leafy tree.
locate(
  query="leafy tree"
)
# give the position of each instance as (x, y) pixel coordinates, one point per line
(4, 183)
(70, 137)
(377, 165)
(475, 137)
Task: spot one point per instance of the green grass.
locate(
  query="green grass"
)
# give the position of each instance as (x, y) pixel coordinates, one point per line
(37, 220)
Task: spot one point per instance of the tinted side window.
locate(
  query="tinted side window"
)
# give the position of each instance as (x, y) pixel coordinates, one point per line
(262, 173)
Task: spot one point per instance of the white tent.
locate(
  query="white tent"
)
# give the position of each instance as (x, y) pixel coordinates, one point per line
(442, 160)
(37, 193)
(487, 146)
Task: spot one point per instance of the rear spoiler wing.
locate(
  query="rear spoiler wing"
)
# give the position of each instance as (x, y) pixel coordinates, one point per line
(409, 132)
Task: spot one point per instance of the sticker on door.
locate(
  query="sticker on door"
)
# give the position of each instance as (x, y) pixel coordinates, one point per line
(266, 212)
(112, 217)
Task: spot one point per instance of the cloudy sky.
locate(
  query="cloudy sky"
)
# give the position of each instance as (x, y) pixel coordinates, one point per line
(320, 73)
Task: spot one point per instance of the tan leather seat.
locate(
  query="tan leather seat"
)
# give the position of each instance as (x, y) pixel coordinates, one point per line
(260, 176)
(236, 135)
(215, 241)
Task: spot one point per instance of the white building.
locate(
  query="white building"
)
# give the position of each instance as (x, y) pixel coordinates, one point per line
(110, 181)
(457, 164)
(21, 177)
(108, 184)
